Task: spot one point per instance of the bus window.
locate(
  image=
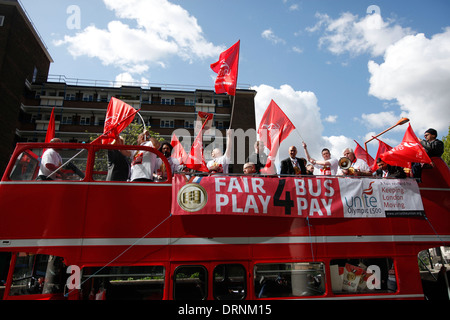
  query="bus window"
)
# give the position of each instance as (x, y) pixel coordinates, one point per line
(123, 283)
(229, 282)
(289, 279)
(372, 275)
(70, 164)
(435, 272)
(112, 165)
(26, 167)
(190, 283)
(5, 260)
(38, 274)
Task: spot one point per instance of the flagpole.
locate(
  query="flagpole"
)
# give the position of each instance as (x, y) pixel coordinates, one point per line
(232, 110)
(303, 140)
(142, 119)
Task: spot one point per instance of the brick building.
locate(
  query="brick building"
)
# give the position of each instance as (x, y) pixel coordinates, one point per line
(23, 59)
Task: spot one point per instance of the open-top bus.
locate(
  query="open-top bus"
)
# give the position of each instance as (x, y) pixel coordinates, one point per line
(214, 237)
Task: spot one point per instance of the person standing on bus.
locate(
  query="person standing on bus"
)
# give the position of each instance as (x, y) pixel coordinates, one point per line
(144, 162)
(329, 166)
(220, 161)
(50, 162)
(118, 163)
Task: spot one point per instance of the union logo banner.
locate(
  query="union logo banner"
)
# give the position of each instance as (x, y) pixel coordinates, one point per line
(313, 197)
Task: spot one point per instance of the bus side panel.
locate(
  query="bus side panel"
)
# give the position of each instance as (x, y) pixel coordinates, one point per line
(50, 210)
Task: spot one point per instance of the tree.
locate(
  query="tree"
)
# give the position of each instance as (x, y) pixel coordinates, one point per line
(446, 155)
(130, 135)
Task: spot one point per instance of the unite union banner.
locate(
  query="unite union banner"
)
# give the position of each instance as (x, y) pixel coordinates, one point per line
(312, 197)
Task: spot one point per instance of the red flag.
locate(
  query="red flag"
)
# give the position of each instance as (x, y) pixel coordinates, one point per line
(409, 150)
(51, 127)
(382, 148)
(362, 154)
(227, 70)
(118, 116)
(274, 127)
(178, 150)
(195, 159)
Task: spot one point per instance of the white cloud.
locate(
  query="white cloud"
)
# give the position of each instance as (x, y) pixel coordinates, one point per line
(416, 73)
(331, 119)
(270, 35)
(354, 35)
(162, 30)
(126, 79)
(297, 49)
(302, 109)
(379, 120)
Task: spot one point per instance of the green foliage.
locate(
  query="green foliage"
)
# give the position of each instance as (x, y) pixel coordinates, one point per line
(446, 155)
(130, 134)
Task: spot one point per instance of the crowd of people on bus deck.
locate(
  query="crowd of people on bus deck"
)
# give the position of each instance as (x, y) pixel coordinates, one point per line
(140, 165)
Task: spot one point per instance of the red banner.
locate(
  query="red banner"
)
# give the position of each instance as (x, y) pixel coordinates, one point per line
(317, 197)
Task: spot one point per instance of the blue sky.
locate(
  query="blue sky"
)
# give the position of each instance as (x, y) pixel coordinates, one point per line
(340, 72)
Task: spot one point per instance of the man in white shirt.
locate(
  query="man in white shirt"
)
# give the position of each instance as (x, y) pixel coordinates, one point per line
(143, 164)
(329, 166)
(50, 162)
(358, 167)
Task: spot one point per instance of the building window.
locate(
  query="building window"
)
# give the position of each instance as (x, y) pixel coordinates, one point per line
(189, 124)
(70, 96)
(169, 101)
(66, 120)
(189, 102)
(88, 97)
(85, 121)
(166, 123)
(35, 71)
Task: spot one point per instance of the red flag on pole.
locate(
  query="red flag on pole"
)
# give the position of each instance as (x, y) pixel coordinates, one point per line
(227, 70)
(274, 127)
(382, 148)
(195, 159)
(51, 127)
(409, 150)
(178, 151)
(362, 154)
(118, 116)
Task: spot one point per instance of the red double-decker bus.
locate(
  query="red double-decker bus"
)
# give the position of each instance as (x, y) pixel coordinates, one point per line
(217, 237)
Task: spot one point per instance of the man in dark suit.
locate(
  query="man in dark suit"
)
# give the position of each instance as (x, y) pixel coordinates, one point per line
(293, 165)
(388, 171)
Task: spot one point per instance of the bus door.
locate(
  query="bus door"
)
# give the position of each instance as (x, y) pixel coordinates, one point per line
(216, 280)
